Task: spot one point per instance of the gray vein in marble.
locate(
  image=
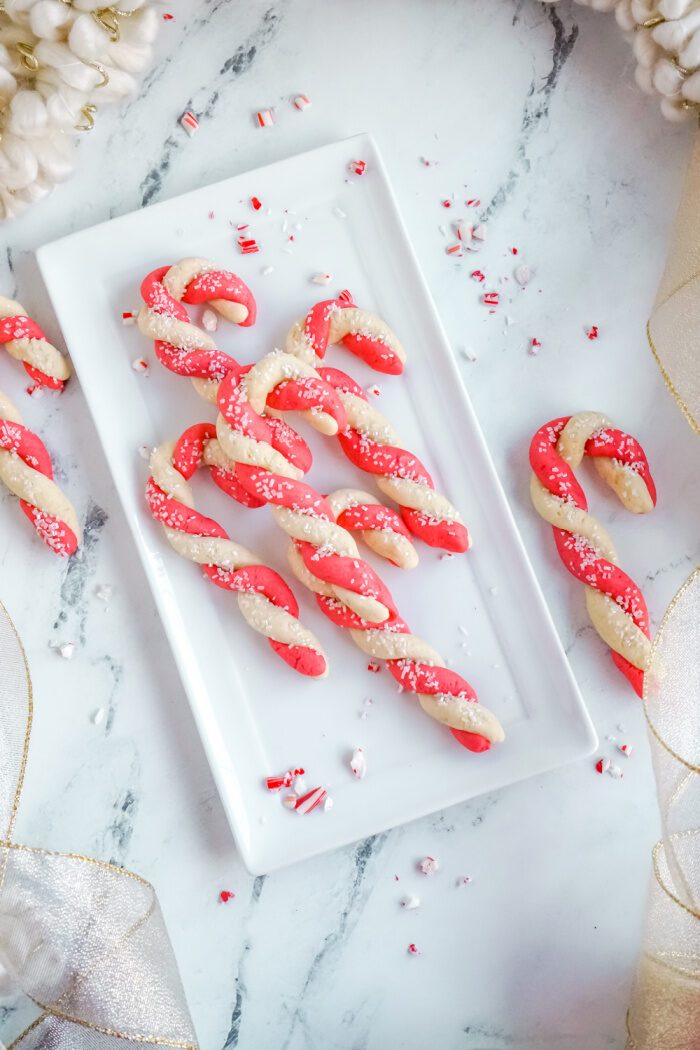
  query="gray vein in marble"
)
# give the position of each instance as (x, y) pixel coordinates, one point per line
(80, 569)
(366, 851)
(239, 63)
(535, 110)
(116, 671)
(241, 987)
(118, 834)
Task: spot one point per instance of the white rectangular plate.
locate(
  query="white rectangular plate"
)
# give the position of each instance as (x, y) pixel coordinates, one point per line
(483, 611)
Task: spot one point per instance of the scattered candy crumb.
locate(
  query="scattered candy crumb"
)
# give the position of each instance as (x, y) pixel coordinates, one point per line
(468, 353)
(128, 317)
(491, 298)
(463, 880)
(210, 322)
(479, 232)
(264, 118)
(225, 896)
(97, 716)
(275, 783)
(328, 804)
(255, 203)
(247, 245)
(374, 389)
(602, 765)
(310, 801)
(464, 230)
(412, 949)
(410, 902)
(66, 650)
(428, 865)
(535, 346)
(358, 167)
(615, 771)
(454, 249)
(477, 275)
(189, 122)
(267, 270)
(592, 332)
(302, 102)
(322, 278)
(626, 749)
(523, 275)
(140, 365)
(104, 592)
(373, 667)
(358, 763)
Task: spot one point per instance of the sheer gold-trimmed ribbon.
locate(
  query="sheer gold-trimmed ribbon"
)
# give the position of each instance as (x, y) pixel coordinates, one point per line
(673, 330)
(665, 1010)
(83, 939)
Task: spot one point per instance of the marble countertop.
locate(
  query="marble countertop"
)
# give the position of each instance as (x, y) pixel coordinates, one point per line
(537, 111)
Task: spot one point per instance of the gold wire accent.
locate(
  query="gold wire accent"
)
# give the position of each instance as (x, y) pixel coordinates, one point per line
(88, 112)
(106, 18)
(651, 23)
(683, 70)
(102, 71)
(27, 57)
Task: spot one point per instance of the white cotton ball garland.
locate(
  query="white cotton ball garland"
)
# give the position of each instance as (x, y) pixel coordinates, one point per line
(61, 62)
(665, 38)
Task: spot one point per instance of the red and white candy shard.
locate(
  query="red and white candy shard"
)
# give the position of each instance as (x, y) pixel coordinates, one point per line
(302, 102)
(189, 122)
(490, 298)
(602, 765)
(310, 801)
(626, 749)
(412, 949)
(128, 318)
(428, 865)
(255, 203)
(210, 322)
(454, 249)
(410, 902)
(358, 763)
(322, 278)
(523, 274)
(358, 167)
(248, 245)
(264, 118)
(140, 365)
(464, 230)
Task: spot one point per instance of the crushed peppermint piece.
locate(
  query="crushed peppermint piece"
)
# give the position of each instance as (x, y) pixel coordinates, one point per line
(35, 391)
(225, 896)
(523, 275)
(477, 275)
(275, 783)
(264, 118)
(299, 786)
(620, 727)
(302, 102)
(412, 949)
(535, 346)
(97, 716)
(104, 591)
(374, 388)
(479, 232)
(247, 245)
(592, 332)
(446, 203)
(322, 278)
(128, 317)
(602, 765)
(167, 17)
(473, 202)
(373, 667)
(255, 203)
(267, 270)
(358, 763)
(468, 353)
(358, 167)
(428, 865)
(615, 771)
(310, 801)
(290, 801)
(410, 902)
(490, 298)
(189, 122)
(454, 249)
(463, 880)
(145, 452)
(66, 650)
(626, 749)
(339, 213)
(328, 803)
(140, 365)
(513, 251)
(464, 230)
(210, 322)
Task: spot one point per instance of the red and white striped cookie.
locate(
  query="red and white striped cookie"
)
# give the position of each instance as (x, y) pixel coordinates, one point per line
(26, 470)
(360, 331)
(265, 600)
(25, 341)
(615, 603)
(381, 528)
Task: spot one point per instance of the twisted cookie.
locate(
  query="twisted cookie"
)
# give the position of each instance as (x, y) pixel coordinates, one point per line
(361, 332)
(26, 470)
(615, 603)
(325, 558)
(265, 600)
(25, 341)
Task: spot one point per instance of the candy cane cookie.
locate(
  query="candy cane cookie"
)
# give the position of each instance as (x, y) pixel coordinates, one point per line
(325, 558)
(264, 599)
(360, 331)
(25, 341)
(26, 470)
(381, 528)
(615, 604)
(370, 442)
(186, 350)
